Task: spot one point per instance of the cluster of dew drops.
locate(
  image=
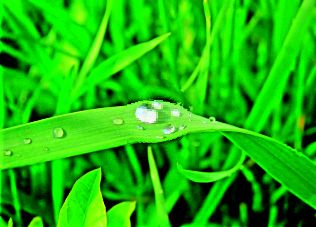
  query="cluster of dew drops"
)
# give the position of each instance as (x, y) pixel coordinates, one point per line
(58, 133)
(149, 114)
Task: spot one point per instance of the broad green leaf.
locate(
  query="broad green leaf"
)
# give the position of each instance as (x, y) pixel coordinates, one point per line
(87, 131)
(120, 214)
(36, 222)
(207, 177)
(118, 62)
(84, 205)
(162, 214)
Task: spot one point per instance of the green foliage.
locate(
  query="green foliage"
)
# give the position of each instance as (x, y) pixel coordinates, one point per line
(120, 214)
(78, 70)
(84, 205)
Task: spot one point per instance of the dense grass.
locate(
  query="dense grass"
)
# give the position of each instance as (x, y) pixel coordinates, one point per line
(247, 63)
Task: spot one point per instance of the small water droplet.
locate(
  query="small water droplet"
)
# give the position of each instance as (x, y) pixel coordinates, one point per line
(212, 119)
(160, 137)
(146, 115)
(46, 149)
(139, 127)
(118, 121)
(175, 113)
(157, 105)
(7, 153)
(169, 130)
(182, 127)
(58, 133)
(27, 141)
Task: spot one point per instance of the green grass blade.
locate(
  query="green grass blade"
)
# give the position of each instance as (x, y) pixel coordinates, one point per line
(84, 205)
(291, 168)
(98, 129)
(270, 94)
(118, 62)
(162, 214)
(207, 177)
(95, 47)
(120, 214)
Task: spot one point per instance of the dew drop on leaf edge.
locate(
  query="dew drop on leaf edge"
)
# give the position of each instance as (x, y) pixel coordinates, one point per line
(212, 119)
(157, 105)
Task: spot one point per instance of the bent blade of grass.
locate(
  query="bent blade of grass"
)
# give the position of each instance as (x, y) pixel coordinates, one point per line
(118, 62)
(207, 177)
(99, 129)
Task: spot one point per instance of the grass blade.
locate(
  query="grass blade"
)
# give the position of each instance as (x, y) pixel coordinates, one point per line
(95, 47)
(162, 214)
(98, 129)
(207, 177)
(118, 62)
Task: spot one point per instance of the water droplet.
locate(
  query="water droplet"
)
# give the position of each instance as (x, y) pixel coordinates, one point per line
(157, 105)
(58, 133)
(182, 127)
(175, 113)
(160, 137)
(7, 153)
(212, 119)
(46, 149)
(118, 121)
(139, 127)
(169, 130)
(27, 141)
(146, 115)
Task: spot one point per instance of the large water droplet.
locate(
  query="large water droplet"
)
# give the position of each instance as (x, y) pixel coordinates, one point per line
(118, 121)
(27, 141)
(175, 113)
(212, 119)
(7, 153)
(59, 133)
(146, 115)
(169, 130)
(157, 105)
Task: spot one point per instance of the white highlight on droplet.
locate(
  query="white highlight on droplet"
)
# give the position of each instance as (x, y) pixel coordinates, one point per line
(146, 115)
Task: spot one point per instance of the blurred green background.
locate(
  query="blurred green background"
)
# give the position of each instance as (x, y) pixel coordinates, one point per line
(68, 55)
